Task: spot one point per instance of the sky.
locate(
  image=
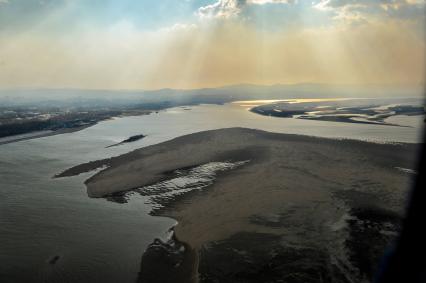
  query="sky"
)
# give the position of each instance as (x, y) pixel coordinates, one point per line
(186, 44)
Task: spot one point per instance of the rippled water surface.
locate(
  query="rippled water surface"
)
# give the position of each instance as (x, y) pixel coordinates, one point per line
(50, 231)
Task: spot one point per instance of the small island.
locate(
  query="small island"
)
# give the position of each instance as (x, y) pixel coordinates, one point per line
(129, 140)
(345, 111)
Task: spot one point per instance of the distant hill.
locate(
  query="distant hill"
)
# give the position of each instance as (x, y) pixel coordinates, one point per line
(109, 98)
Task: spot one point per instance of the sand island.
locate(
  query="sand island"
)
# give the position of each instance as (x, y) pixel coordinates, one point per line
(291, 209)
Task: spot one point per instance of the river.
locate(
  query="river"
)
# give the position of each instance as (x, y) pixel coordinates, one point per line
(45, 221)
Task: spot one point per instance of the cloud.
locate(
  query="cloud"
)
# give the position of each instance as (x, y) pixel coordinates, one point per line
(123, 57)
(367, 10)
(347, 11)
(261, 2)
(232, 8)
(370, 3)
(306, 44)
(180, 27)
(221, 9)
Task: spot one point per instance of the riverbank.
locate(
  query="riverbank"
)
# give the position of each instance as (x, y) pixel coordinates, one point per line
(41, 134)
(63, 127)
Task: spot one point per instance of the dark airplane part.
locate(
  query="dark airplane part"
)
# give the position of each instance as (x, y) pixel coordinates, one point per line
(407, 262)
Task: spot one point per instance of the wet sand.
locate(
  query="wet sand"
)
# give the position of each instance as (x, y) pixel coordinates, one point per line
(303, 209)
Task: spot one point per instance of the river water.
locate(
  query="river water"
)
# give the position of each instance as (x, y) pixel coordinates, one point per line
(50, 231)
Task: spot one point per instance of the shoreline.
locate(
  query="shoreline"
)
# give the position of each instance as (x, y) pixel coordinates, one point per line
(284, 196)
(9, 139)
(42, 135)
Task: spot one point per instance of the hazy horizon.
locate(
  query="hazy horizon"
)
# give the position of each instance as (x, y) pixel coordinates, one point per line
(150, 45)
(419, 86)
